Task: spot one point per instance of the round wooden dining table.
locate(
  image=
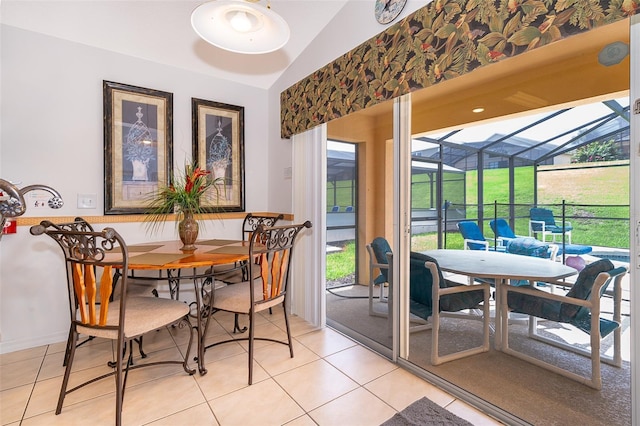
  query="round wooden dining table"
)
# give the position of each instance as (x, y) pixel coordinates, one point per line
(167, 258)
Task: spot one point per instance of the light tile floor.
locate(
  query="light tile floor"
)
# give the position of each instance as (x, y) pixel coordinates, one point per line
(330, 381)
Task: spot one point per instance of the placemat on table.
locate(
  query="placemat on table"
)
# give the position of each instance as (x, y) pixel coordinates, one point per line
(143, 248)
(158, 259)
(230, 250)
(216, 242)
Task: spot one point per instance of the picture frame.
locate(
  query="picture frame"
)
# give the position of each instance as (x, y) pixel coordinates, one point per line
(218, 147)
(138, 146)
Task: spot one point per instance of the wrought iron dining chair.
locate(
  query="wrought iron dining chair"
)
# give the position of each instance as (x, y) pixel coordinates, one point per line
(580, 308)
(91, 259)
(233, 273)
(266, 286)
(81, 225)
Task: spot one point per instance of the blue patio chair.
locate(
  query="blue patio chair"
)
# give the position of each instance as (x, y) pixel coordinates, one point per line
(348, 209)
(580, 307)
(473, 237)
(378, 250)
(542, 221)
(432, 296)
(379, 254)
(502, 231)
(335, 209)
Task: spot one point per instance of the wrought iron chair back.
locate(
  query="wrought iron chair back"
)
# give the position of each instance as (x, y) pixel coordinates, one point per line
(251, 223)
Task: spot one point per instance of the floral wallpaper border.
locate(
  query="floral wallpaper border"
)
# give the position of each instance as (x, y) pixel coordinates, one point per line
(441, 41)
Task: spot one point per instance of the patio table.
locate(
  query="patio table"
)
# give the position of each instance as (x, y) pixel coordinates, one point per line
(501, 267)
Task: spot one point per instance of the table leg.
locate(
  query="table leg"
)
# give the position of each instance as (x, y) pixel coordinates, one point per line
(499, 313)
(202, 311)
(203, 314)
(174, 284)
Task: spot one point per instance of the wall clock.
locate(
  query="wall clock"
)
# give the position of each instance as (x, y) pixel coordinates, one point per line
(387, 10)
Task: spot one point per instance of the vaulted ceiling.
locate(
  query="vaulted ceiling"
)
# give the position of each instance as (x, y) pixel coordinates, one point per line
(160, 31)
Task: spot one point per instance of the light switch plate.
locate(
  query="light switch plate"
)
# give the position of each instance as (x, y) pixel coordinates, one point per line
(87, 201)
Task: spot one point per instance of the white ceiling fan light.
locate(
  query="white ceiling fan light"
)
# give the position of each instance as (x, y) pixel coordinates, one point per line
(240, 26)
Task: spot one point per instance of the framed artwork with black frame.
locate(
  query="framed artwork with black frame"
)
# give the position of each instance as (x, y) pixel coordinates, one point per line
(218, 146)
(138, 147)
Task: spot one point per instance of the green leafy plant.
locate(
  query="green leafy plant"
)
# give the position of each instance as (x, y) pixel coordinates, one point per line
(181, 197)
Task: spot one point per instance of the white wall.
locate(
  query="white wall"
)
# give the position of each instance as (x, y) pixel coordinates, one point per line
(52, 133)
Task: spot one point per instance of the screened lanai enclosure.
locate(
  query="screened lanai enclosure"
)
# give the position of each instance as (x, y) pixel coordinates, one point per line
(549, 160)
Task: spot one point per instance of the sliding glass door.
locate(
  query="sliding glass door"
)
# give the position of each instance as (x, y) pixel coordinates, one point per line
(359, 196)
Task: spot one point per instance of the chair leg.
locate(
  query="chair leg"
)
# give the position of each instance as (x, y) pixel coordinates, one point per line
(73, 339)
(236, 325)
(67, 350)
(121, 380)
(251, 331)
(138, 340)
(286, 323)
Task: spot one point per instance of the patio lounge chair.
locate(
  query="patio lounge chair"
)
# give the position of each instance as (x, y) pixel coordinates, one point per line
(502, 231)
(580, 307)
(542, 221)
(505, 234)
(473, 237)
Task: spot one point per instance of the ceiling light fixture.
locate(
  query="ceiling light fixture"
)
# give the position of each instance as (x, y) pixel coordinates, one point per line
(240, 26)
(478, 110)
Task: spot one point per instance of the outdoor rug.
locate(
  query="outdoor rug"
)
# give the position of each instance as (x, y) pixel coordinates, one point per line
(425, 412)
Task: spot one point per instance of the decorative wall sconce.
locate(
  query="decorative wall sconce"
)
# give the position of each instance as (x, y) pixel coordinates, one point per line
(12, 202)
